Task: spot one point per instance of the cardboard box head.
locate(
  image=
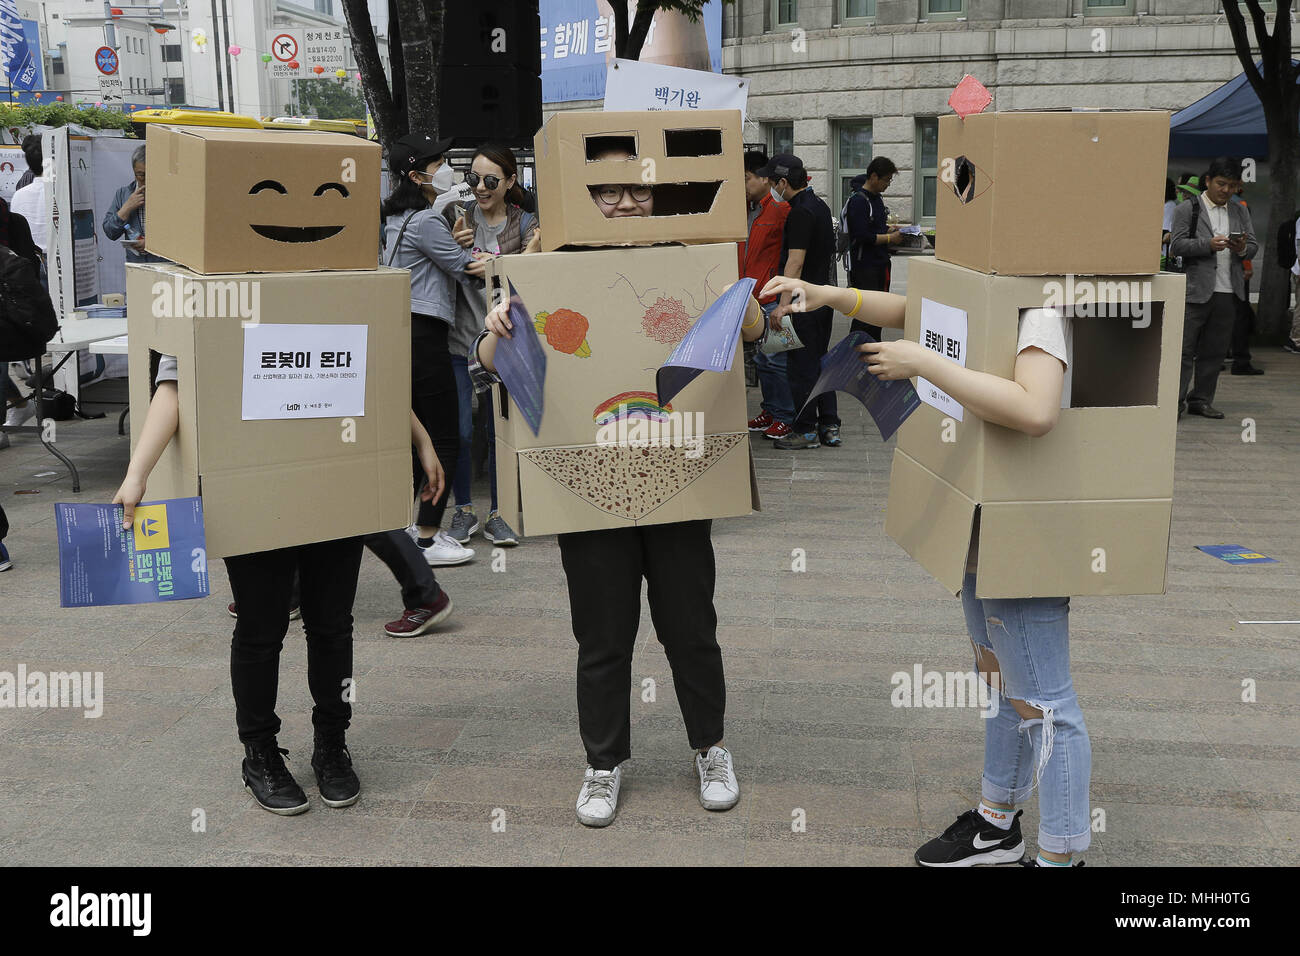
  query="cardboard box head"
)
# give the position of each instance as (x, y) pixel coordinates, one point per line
(692, 160)
(1049, 193)
(1081, 510)
(273, 472)
(235, 200)
(607, 454)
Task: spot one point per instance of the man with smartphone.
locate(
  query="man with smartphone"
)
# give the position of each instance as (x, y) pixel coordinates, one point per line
(1213, 237)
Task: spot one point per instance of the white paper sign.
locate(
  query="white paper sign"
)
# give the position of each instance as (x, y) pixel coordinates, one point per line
(309, 47)
(304, 371)
(110, 90)
(943, 329)
(633, 85)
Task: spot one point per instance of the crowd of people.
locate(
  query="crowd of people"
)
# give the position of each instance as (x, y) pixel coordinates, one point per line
(1020, 646)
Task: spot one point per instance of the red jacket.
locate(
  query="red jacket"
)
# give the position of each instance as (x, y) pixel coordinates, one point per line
(761, 255)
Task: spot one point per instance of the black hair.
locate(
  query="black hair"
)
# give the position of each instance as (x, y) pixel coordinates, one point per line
(32, 150)
(405, 197)
(755, 159)
(1225, 166)
(880, 167)
(1171, 192)
(797, 178)
(504, 157)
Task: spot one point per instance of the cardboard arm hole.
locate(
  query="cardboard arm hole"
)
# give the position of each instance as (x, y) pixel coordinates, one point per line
(595, 145)
(1116, 351)
(692, 142)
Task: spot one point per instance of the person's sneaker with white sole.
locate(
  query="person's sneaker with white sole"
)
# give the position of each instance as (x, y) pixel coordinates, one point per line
(719, 789)
(463, 525)
(974, 841)
(498, 532)
(444, 550)
(18, 414)
(598, 798)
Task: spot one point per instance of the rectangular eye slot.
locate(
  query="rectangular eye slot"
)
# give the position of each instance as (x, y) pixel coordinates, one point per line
(596, 145)
(692, 142)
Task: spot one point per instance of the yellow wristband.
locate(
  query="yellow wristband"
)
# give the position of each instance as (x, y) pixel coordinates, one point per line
(857, 305)
(750, 325)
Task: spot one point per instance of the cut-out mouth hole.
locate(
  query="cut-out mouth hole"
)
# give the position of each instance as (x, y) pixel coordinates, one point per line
(680, 199)
(296, 233)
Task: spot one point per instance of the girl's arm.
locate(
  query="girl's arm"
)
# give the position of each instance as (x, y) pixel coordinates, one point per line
(1029, 403)
(433, 239)
(428, 459)
(878, 308)
(159, 427)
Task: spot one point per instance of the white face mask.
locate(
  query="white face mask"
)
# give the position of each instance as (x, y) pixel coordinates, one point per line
(776, 196)
(442, 179)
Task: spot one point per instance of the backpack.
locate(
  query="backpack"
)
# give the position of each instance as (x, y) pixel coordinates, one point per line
(844, 243)
(27, 320)
(1177, 264)
(1286, 243)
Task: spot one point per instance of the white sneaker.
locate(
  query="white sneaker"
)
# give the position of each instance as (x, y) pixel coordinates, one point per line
(718, 787)
(598, 798)
(19, 414)
(446, 550)
(413, 532)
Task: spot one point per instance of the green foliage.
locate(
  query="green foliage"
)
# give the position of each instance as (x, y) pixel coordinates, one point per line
(60, 114)
(691, 8)
(330, 99)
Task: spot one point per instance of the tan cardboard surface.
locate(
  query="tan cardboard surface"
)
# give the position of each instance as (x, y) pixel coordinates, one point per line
(202, 212)
(694, 158)
(620, 313)
(1125, 451)
(1053, 192)
(276, 483)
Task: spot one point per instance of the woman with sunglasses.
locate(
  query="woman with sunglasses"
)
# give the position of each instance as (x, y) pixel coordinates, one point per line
(494, 224)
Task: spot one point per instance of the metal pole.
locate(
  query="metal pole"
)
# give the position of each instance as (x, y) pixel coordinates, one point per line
(216, 29)
(225, 52)
(110, 34)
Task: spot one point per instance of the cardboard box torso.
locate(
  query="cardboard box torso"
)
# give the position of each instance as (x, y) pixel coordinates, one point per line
(1049, 192)
(1082, 510)
(262, 345)
(609, 318)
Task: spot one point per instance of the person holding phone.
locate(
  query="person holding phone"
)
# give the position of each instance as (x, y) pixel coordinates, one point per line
(1021, 645)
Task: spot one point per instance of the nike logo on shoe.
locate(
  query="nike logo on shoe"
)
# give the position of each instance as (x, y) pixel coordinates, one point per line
(982, 845)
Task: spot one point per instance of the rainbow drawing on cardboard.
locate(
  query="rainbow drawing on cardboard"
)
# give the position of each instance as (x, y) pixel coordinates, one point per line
(629, 405)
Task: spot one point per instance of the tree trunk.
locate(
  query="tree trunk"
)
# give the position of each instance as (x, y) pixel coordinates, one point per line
(1283, 165)
(397, 67)
(645, 14)
(373, 82)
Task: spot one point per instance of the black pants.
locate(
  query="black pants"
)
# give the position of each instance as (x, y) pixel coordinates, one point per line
(436, 405)
(803, 367)
(1207, 329)
(405, 560)
(604, 571)
(875, 277)
(1242, 321)
(261, 584)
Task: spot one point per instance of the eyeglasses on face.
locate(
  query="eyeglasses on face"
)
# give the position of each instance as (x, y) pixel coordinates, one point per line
(612, 195)
(489, 182)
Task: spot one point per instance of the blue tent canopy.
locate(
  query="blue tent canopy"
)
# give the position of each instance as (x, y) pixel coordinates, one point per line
(1227, 122)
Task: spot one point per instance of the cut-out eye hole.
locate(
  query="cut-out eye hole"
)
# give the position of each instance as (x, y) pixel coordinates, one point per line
(323, 187)
(596, 145)
(692, 142)
(268, 184)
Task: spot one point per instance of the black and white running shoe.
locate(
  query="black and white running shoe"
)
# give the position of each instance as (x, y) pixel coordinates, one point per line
(972, 841)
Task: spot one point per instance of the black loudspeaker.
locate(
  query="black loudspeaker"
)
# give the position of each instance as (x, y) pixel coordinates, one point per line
(490, 79)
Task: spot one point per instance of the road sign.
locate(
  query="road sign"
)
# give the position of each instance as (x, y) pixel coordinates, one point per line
(106, 60)
(110, 90)
(308, 48)
(284, 46)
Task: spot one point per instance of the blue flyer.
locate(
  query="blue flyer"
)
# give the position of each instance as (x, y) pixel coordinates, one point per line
(521, 363)
(1235, 554)
(890, 403)
(163, 558)
(708, 346)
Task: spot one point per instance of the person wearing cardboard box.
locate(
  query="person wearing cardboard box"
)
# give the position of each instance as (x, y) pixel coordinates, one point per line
(1021, 644)
(263, 584)
(1213, 237)
(676, 559)
(420, 240)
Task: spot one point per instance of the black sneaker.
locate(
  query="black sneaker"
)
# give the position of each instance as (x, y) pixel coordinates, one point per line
(972, 841)
(339, 786)
(830, 436)
(270, 782)
(1292, 346)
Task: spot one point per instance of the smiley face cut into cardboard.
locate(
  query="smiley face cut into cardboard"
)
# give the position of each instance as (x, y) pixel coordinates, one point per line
(238, 201)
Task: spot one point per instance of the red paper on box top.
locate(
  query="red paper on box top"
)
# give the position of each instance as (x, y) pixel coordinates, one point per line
(970, 96)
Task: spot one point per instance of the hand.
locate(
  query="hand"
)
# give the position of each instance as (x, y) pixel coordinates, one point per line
(497, 321)
(1238, 245)
(534, 241)
(1219, 243)
(133, 202)
(462, 233)
(136, 244)
(894, 237)
(478, 267)
(128, 496)
(433, 472)
(804, 296)
(894, 360)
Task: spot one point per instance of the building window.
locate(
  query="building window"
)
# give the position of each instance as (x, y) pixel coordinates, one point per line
(927, 168)
(942, 9)
(857, 10)
(852, 154)
(785, 12)
(1108, 8)
(56, 67)
(171, 52)
(175, 91)
(780, 138)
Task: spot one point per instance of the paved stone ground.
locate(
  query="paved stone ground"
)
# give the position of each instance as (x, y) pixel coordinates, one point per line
(480, 715)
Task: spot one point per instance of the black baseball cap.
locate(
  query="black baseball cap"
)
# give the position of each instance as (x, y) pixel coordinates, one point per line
(780, 166)
(414, 151)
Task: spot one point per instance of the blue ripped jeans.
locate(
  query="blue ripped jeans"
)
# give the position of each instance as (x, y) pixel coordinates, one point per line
(1031, 639)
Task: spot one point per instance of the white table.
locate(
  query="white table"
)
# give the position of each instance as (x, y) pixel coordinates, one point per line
(115, 346)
